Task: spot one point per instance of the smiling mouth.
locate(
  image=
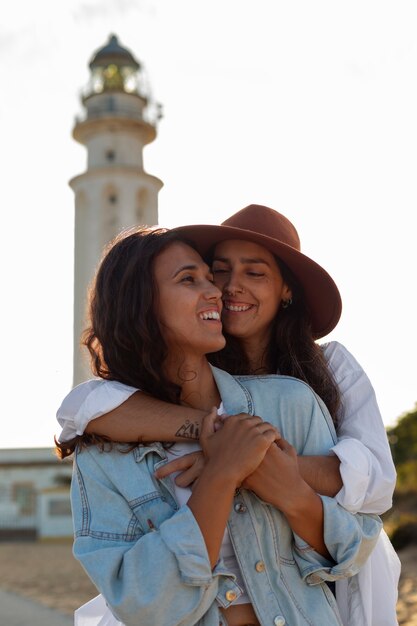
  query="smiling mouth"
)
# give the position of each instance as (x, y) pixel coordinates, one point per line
(237, 308)
(210, 315)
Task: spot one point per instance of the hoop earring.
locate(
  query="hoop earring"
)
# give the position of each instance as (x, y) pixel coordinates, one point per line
(286, 303)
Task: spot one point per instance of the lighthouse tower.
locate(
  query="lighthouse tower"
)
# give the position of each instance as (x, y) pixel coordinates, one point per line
(115, 191)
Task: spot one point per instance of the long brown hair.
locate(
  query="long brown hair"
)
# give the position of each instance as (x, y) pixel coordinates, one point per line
(292, 350)
(123, 335)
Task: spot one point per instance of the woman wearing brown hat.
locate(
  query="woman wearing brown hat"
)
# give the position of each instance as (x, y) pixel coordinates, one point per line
(248, 251)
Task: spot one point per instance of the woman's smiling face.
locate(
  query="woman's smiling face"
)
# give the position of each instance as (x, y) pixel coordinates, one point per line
(252, 287)
(188, 303)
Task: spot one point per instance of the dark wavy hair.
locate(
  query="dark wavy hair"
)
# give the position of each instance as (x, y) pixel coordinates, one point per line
(123, 336)
(292, 350)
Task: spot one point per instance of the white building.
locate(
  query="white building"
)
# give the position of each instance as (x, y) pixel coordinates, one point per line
(34, 494)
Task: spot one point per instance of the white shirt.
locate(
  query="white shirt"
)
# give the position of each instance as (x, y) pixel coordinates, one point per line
(366, 467)
(369, 476)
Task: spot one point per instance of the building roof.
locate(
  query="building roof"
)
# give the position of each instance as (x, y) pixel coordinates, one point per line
(113, 52)
(28, 456)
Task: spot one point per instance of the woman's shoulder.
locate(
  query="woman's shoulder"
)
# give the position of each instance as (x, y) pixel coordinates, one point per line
(242, 393)
(118, 459)
(339, 359)
(89, 400)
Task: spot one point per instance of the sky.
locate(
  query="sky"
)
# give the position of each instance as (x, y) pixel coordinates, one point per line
(307, 107)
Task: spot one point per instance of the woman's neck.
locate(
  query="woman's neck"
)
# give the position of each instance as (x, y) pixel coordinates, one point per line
(257, 356)
(198, 387)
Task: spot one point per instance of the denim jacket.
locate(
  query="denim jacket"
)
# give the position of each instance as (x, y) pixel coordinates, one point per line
(147, 555)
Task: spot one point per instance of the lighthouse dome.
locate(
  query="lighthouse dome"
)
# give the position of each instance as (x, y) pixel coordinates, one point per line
(113, 53)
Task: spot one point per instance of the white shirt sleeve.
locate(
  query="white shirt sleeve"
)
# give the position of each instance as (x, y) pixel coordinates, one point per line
(366, 467)
(87, 401)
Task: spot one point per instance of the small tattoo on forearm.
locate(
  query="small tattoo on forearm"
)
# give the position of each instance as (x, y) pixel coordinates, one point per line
(189, 430)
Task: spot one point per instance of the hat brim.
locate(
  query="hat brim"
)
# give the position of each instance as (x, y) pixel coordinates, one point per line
(321, 293)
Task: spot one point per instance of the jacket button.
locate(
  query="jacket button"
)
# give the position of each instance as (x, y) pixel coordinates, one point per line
(279, 620)
(240, 508)
(260, 566)
(231, 595)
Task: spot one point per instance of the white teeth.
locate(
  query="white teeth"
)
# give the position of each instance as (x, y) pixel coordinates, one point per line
(232, 307)
(210, 315)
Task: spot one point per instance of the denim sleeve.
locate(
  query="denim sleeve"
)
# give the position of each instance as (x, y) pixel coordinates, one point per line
(142, 575)
(349, 539)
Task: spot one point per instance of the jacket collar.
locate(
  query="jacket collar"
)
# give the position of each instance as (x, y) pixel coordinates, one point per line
(236, 398)
(141, 451)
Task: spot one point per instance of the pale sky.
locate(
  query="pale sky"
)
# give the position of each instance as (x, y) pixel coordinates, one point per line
(307, 107)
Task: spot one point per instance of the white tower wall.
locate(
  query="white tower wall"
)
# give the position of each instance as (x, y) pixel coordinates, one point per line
(114, 192)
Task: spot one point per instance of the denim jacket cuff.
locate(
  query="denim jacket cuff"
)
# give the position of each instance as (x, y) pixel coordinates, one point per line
(349, 539)
(228, 587)
(183, 537)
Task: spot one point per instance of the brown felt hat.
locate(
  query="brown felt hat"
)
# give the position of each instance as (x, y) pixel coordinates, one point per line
(275, 232)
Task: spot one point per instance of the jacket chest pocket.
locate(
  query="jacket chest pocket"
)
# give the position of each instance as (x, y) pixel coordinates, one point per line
(154, 503)
(151, 510)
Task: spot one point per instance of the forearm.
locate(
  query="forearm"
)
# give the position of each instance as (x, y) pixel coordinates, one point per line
(304, 513)
(321, 473)
(212, 487)
(144, 418)
(278, 481)
(232, 453)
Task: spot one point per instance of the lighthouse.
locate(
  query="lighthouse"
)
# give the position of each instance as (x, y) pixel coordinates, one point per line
(114, 192)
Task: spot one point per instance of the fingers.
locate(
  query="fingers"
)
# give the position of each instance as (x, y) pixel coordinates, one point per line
(286, 447)
(259, 426)
(224, 416)
(270, 431)
(244, 428)
(181, 464)
(218, 423)
(188, 477)
(208, 425)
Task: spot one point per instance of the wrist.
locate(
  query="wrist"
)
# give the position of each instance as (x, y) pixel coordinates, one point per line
(222, 474)
(302, 503)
